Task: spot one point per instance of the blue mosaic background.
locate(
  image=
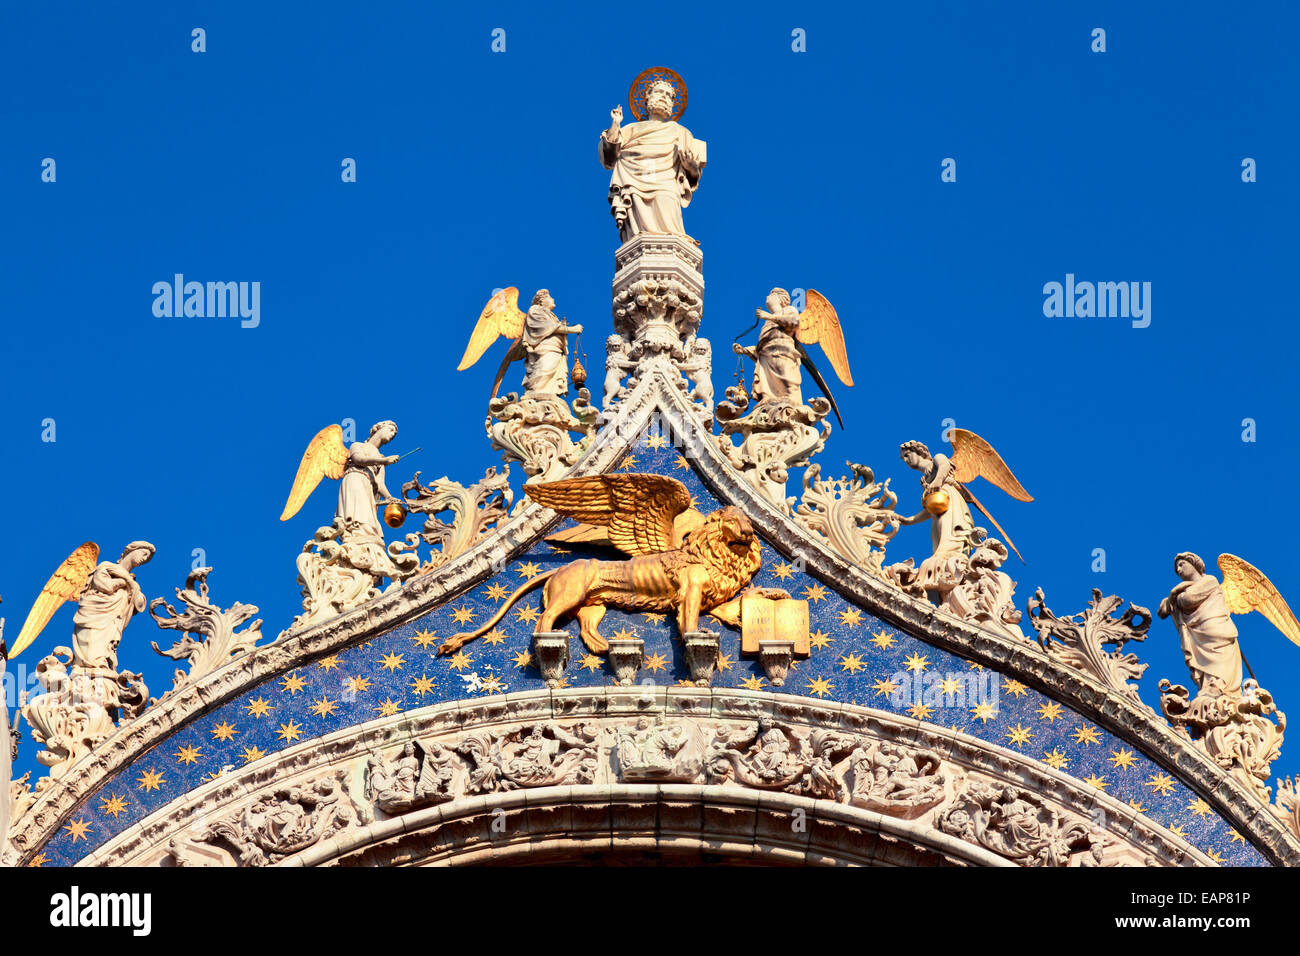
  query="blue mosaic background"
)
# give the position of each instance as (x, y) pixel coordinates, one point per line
(855, 658)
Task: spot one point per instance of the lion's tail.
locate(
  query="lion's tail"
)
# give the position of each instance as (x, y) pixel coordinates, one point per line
(457, 640)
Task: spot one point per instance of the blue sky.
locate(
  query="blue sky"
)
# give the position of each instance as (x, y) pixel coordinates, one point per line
(478, 170)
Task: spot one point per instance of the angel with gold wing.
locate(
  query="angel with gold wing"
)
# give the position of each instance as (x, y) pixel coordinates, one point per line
(1202, 610)
(361, 467)
(538, 337)
(689, 566)
(945, 498)
(780, 354)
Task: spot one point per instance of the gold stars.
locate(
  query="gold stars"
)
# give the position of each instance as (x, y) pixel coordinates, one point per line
(1237, 837)
(1019, 735)
(422, 685)
(459, 661)
(1121, 759)
(1055, 759)
(188, 755)
(851, 663)
(523, 659)
(1086, 735)
(112, 805)
(424, 639)
(527, 614)
(495, 591)
(1214, 854)
(224, 731)
(1177, 830)
(150, 780)
(463, 614)
(656, 442)
(292, 683)
(324, 707)
(329, 663)
(884, 687)
(628, 462)
(1013, 687)
(752, 683)
(814, 593)
(724, 662)
(851, 617)
(252, 753)
(971, 665)
(40, 859)
(820, 686)
(1093, 780)
(655, 662)
(1049, 711)
(916, 663)
(357, 684)
(1199, 808)
(1137, 805)
(563, 682)
(529, 570)
(949, 686)
(1160, 783)
(290, 731)
(653, 617)
(258, 707)
(492, 685)
(622, 634)
(685, 682)
(77, 829)
(783, 571)
(388, 707)
(494, 637)
(984, 711)
(883, 640)
(392, 662)
(591, 662)
(819, 639)
(681, 464)
(920, 711)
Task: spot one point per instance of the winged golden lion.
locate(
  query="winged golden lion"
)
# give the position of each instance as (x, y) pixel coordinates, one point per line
(684, 566)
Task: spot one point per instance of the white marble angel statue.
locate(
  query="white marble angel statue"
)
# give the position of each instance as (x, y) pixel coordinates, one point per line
(539, 336)
(361, 467)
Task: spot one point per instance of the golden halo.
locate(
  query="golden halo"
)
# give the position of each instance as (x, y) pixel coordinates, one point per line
(636, 95)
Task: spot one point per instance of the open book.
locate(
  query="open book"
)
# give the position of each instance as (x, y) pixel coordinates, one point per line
(765, 619)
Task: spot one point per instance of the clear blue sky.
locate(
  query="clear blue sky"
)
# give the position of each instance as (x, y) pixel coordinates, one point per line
(478, 170)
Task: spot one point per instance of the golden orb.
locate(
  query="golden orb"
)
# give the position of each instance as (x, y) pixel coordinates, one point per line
(394, 515)
(936, 502)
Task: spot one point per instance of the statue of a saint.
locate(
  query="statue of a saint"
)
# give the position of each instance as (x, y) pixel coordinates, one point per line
(1209, 638)
(656, 166)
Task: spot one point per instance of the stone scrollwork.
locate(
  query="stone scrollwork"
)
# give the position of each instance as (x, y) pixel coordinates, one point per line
(221, 639)
(966, 581)
(775, 436)
(475, 511)
(534, 430)
(1093, 639)
(855, 514)
(1287, 807)
(342, 567)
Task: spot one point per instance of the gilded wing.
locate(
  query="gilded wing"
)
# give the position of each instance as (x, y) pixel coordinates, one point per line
(324, 458)
(591, 534)
(501, 316)
(973, 458)
(64, 585)
(819, 323)
(1246, 588)
(639, 510)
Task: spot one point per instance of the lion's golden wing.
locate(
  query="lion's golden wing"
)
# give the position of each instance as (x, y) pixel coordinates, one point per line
(819, 323)
(325, 457)
(973, 458)
(1246, 588)
(64, 585)
(638, 510)
(501, 316)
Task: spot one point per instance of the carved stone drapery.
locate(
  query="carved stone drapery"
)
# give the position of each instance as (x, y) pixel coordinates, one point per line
(1082, 640)
(221, 641)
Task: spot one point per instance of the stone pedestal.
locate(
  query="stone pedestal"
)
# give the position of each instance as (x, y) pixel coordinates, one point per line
(702, 651)
(658, 295)
(551, 648)
(775, 656)
(625, 657)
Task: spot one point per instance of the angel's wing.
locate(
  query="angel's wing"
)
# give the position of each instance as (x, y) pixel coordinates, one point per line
(639, 510)
(64, 585)
(973, 458)
(819, 323)
(501, 316)
(324, 458)
(1246, 589)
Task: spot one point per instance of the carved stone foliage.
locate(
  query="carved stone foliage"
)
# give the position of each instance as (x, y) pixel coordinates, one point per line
(534, 430)
(968, 583)
(475, 512)
(855, 514)
(1287, 807)
(1093, 640)
(280, 823)
(775, 436)
(340, 569)
(658, 316)
(1242, 732)
(221, 640)
(1019, 826)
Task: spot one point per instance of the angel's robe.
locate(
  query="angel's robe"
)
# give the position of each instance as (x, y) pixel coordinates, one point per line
(1209, 637)
(357, 493)
(777, 375)
(546, 371)
(650, 186)
(106, 606)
